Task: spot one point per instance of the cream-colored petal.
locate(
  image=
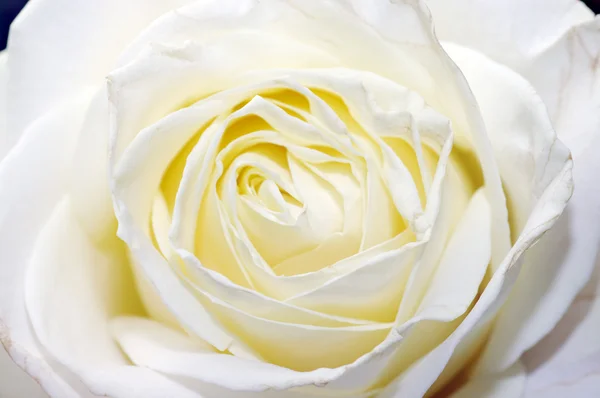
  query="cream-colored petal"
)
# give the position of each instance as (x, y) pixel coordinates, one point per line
(371, 292)
(389, 51)
(170, 77)
(419, 378)
(66, 264)
(456, 281)
(154, 346)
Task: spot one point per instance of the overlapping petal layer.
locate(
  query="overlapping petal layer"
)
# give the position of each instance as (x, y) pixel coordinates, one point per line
(320, 220)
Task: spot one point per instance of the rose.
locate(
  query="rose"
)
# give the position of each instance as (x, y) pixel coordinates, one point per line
(63, 263)
(251, 146)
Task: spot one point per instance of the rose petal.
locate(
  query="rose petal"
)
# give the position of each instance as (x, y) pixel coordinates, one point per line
(15, 382)
(492, 29)
(456, 281)
(150, 344)
(244, 299)
(41, 158)
(4, 139)
(420, 377)
(557, 267)
(567, 361)
(509, 383)
(566, 76)
(49, 63)
(328, 26)
(525, 145)
(65, 264)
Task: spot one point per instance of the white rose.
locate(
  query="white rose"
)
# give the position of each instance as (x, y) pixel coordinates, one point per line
(299, 198)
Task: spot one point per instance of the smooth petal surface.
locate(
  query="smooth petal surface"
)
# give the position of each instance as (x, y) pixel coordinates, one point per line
(509, 383)
(50, 63)
(65, 264)
(4, 74)
(529, 155)
(491, 27)
(559, 57)
(559, 265)
(42, 158)
(567, 361)
(420, 377)
(15, 382)
(231, 119)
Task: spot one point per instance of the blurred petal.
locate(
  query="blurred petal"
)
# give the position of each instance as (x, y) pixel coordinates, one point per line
(4, 72)
(509, 383)
(15, 382)
(567, 361)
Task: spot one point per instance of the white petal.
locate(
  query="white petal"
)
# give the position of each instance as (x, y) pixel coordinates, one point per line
(491, 28)
(567, 361)
(529, 156)
(4, 72)
(553, 44)
(89, 188)
(575, 381)
(14, 382)
(566, 76)
(41, 158)
(510, 383)
(525, 145)
(463, 265)
(56, 50)
(419, 378)
(167, 77)
(137, 382)
(64, 265)
(154, 346)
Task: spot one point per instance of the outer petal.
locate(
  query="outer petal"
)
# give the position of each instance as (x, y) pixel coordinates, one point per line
(510, 383)
(511, 31)
(15, 382)
(56, 49)
(3, 111)
(41, 158)
(567, 361)
(563, 261)
(528, 155)
(419, 378)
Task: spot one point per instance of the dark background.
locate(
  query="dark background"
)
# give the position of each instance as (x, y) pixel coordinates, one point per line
(10, 8)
